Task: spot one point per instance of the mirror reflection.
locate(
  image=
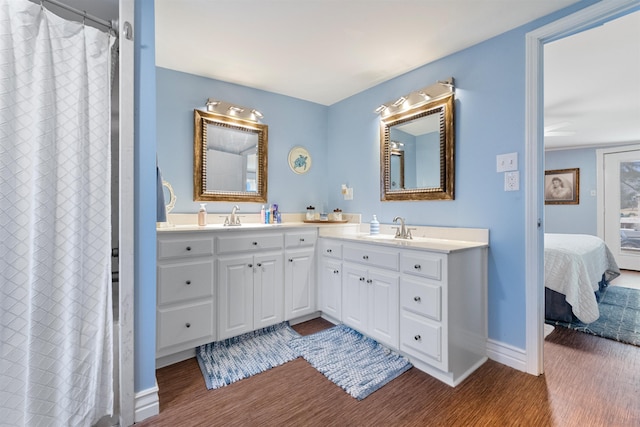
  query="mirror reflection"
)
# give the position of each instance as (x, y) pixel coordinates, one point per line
(230, 159)
(417, 151)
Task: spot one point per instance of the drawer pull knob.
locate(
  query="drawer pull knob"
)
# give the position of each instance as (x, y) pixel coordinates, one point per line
(416, 299)
(329, 251)
(369, 281)
(417, 338)
(417, 267)
(335, 272)
(188, 248)
(188, 325)
(290, 259)
(250, 265)
(302, 239)
(259, 264)
(188, 282)
(365, 256)
(362, 279)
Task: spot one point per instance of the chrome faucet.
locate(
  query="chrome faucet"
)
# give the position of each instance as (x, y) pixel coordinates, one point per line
(233, 219)
(402, 232)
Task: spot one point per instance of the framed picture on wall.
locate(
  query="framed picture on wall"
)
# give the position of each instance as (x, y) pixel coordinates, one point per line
(562, 187)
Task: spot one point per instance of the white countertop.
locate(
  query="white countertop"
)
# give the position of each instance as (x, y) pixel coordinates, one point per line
(422, 243)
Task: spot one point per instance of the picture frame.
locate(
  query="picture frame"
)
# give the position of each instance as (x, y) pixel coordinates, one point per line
(562, 187)
(299, 160)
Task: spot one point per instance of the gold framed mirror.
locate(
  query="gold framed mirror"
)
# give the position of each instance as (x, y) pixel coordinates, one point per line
(425, 136)
(230, 159)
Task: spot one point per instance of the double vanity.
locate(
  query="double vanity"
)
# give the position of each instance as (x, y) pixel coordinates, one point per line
(424, 297)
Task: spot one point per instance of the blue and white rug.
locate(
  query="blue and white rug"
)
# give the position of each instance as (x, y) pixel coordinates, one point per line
(225, 362)
(358, 364)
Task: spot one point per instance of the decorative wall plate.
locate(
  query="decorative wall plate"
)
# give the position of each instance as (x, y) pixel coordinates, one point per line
(299, 160)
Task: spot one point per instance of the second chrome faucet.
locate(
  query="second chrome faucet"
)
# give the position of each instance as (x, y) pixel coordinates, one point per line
(402, 232)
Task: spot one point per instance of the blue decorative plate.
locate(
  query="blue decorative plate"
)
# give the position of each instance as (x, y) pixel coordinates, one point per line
(299, 160)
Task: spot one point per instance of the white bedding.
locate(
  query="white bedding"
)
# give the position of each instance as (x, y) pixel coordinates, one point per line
(573, 266)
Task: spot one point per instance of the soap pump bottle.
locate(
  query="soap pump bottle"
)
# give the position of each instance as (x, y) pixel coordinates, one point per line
(262, 215)
(202, 215)
(374, 226)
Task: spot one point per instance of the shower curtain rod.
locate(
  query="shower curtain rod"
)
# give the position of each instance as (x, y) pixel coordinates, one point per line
(111, 25)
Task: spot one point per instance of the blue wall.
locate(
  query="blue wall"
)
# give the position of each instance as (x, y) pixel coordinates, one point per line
(145, 197)
(581, 218)
(291, 122)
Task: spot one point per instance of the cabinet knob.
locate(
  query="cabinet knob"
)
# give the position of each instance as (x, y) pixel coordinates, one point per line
(365, 256)
(369, 281)
(254, 243)
(362, 279)
(250, 265)
(290, 259)
(329, 251)
(335, 272)
(302, 239)
(188, 325)
(416, 299)
(417, 267)
(259, 264)
(417, 338)
(188, 248)
(188, 282)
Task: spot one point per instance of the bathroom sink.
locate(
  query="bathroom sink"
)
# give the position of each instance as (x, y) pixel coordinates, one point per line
(380, 237)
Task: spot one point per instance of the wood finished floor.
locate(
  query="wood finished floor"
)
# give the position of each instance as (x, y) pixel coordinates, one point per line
(588, 381)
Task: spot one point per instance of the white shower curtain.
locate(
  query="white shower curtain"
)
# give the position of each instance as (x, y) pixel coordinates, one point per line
(55, 219)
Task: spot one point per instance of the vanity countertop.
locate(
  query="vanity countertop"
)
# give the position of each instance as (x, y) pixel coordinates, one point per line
(422, 243)
(250, 226)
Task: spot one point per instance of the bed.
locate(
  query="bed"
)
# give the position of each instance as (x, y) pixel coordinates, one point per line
(577, 267)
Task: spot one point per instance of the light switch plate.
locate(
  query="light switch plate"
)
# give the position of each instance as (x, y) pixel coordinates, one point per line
(507, 162)
(512, 181)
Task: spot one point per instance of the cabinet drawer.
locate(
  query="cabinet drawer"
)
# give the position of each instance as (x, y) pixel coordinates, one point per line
(177, 248)
(184, 324)
(373, 257)
(331, 248)
(425, 265)
(421, 338)
(185, 281)
(421, 297)
(243, 243)
(300, 239)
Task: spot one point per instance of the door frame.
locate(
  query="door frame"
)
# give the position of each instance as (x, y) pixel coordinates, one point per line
(598, 13)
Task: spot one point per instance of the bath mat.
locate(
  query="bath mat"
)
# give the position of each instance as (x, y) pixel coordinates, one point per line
(619, 316)
(357, 364)
(225, 362)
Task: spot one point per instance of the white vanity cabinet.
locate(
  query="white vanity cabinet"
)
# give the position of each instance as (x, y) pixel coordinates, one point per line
(185, 309)
(330, 279)
(370, 283)
(299, 273)
(250, 282)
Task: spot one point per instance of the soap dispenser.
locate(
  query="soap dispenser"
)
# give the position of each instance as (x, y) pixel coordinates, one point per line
(202, 215)
(374, 226)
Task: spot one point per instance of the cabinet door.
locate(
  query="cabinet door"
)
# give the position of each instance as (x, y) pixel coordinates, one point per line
(383, 307)
(354, 297)
(299, 293)
(235, 296)
(331, 288)
(268, 299)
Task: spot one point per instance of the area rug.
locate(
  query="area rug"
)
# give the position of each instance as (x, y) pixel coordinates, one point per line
(225, 362)
(357, 364)
(619, 316)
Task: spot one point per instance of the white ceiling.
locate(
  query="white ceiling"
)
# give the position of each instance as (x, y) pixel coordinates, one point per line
(592, 86)
(326, 50)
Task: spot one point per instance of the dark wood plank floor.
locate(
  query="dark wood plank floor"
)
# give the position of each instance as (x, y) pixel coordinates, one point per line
(588, 381)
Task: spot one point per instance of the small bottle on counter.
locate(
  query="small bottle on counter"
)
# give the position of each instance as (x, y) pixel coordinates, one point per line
(311, 213)
(262, 213)
(374, 226)
(202, 215)
(267, 216)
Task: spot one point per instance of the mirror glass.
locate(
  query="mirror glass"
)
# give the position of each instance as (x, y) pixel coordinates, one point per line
(417, 153)
(230, 159)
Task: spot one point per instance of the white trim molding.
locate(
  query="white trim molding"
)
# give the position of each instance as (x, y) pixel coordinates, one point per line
(534, 147)
(147, 404)
(506, 354)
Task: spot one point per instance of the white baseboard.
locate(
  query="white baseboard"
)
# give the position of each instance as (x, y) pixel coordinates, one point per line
(147, 404)
(506, 354)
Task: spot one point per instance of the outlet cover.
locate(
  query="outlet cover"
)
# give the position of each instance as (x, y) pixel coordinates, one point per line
(507, 162)
(512, 181)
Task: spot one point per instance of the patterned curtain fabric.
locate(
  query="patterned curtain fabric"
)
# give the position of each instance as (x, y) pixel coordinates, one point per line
(56, 345)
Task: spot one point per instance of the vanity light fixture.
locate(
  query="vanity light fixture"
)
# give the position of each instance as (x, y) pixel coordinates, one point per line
(211, 104)
(439, 89)
(257, 113)
(225, 108)
(235, 110)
